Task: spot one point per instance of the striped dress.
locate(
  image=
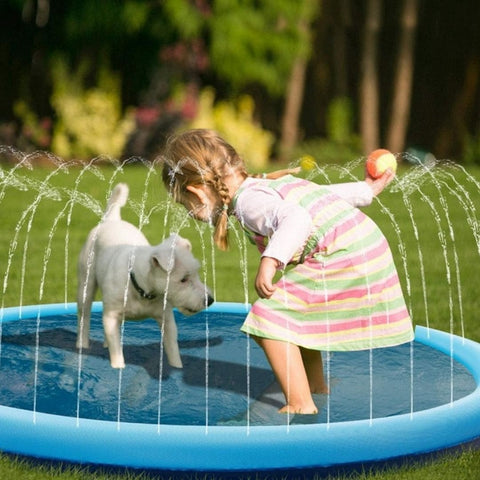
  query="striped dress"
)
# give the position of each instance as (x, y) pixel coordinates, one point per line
(343, 291)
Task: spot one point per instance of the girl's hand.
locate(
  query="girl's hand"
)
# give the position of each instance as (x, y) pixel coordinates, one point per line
(265, 274)
(378, 184)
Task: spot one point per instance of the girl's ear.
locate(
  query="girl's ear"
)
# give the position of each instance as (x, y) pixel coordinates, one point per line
(199, 192)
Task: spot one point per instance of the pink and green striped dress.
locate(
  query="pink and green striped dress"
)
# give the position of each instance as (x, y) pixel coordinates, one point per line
(342, 291)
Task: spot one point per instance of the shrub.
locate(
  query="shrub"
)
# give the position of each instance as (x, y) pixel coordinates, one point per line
(234, 121)
(34, 132)
(89, 121)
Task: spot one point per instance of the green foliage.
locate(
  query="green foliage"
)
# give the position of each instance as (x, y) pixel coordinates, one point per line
(184, 16)
(257, 42)
(35, 132)
(235, 122)
(89, 120)
(107, 20)
(471, 149)
(326, 152)
(342, 144)
(340, 120)
(135, 15)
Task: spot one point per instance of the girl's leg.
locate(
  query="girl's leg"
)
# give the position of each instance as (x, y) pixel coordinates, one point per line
(312, 360)
(287, 365)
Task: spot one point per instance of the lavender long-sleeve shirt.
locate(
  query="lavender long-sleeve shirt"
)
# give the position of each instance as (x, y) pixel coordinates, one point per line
(287, 225)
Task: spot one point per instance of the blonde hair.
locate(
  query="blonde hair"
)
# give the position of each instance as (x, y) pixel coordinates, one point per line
(201, 156)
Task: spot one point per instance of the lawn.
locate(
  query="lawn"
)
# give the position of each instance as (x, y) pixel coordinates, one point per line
(428, 215)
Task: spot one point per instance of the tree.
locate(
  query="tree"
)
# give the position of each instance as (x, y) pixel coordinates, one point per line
(296, 82)
(268, 44)
(369, 98)
(403, 79)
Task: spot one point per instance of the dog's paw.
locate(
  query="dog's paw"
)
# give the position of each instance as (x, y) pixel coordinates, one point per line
(82, 344)
(177, 363)
(118, 363)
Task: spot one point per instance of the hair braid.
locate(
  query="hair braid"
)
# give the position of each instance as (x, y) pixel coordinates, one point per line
(221, 228)
(201, 156)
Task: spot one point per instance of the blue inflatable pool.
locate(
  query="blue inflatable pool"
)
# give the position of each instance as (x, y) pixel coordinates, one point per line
(214, 441)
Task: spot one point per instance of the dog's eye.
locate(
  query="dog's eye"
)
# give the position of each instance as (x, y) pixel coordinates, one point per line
(184, 279)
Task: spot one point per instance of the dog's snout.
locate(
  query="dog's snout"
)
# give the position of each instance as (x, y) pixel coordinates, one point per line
(210, 300)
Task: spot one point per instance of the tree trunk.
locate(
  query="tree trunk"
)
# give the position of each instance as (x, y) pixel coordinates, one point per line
(369, 118)
(452, 133)
(293, 105)
(402, 92)
(340, 10)
(296, 85)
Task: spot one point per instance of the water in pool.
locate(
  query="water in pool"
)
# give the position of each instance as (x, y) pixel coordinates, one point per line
(215, 386)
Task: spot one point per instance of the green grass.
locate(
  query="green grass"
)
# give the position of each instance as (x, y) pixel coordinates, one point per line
(433, 231)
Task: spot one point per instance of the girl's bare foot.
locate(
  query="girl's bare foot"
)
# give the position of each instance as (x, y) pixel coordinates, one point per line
(306, 410)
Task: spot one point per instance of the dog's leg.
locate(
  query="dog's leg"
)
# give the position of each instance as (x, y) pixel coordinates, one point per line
(111, 327)
(170, 338)
(86, 289)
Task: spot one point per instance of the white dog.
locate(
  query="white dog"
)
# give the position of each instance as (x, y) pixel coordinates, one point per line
(137, 281)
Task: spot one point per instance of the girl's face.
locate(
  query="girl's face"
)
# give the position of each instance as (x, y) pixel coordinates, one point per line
(202, 204)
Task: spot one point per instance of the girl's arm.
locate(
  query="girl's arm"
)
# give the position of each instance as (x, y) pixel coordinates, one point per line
(285, 224)
(360, 194)
(264, 279)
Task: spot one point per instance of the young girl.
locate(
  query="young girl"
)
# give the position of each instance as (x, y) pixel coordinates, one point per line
(343, 292)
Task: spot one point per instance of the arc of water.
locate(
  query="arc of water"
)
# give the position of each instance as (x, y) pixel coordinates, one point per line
(241, 241)
(143, 219)
(9, 179)
(207, 324)
(160, 360)
(468, 207)
(131, 262)
(408, 184)
(175, 228)
(44, 191)
(443, 243)
(181, 222)
(78, 197)
(68, 205)
(46, 258)
(47, 253)
(89, 267)
(473, 223)
(471, 220)
(346, 172)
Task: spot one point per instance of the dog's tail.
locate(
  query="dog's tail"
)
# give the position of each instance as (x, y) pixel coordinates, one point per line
(118, 198)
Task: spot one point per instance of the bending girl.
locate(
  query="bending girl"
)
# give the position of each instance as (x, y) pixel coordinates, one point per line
(343, 292)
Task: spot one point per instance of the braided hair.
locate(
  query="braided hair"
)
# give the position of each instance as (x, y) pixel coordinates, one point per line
(201, 156)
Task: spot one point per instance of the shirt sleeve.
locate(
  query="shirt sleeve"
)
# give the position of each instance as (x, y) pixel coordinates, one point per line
(286, 224)
(357, 194)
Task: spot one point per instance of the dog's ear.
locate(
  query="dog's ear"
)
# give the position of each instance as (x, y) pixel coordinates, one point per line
(176, 239)
(164, 259)
(183, 242)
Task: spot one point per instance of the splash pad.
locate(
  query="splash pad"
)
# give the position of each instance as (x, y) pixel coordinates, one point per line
(230, 432)
(247, 435)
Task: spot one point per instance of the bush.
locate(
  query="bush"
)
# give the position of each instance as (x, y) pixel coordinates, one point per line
(34, 132)
(89, 121)
(234, 121)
